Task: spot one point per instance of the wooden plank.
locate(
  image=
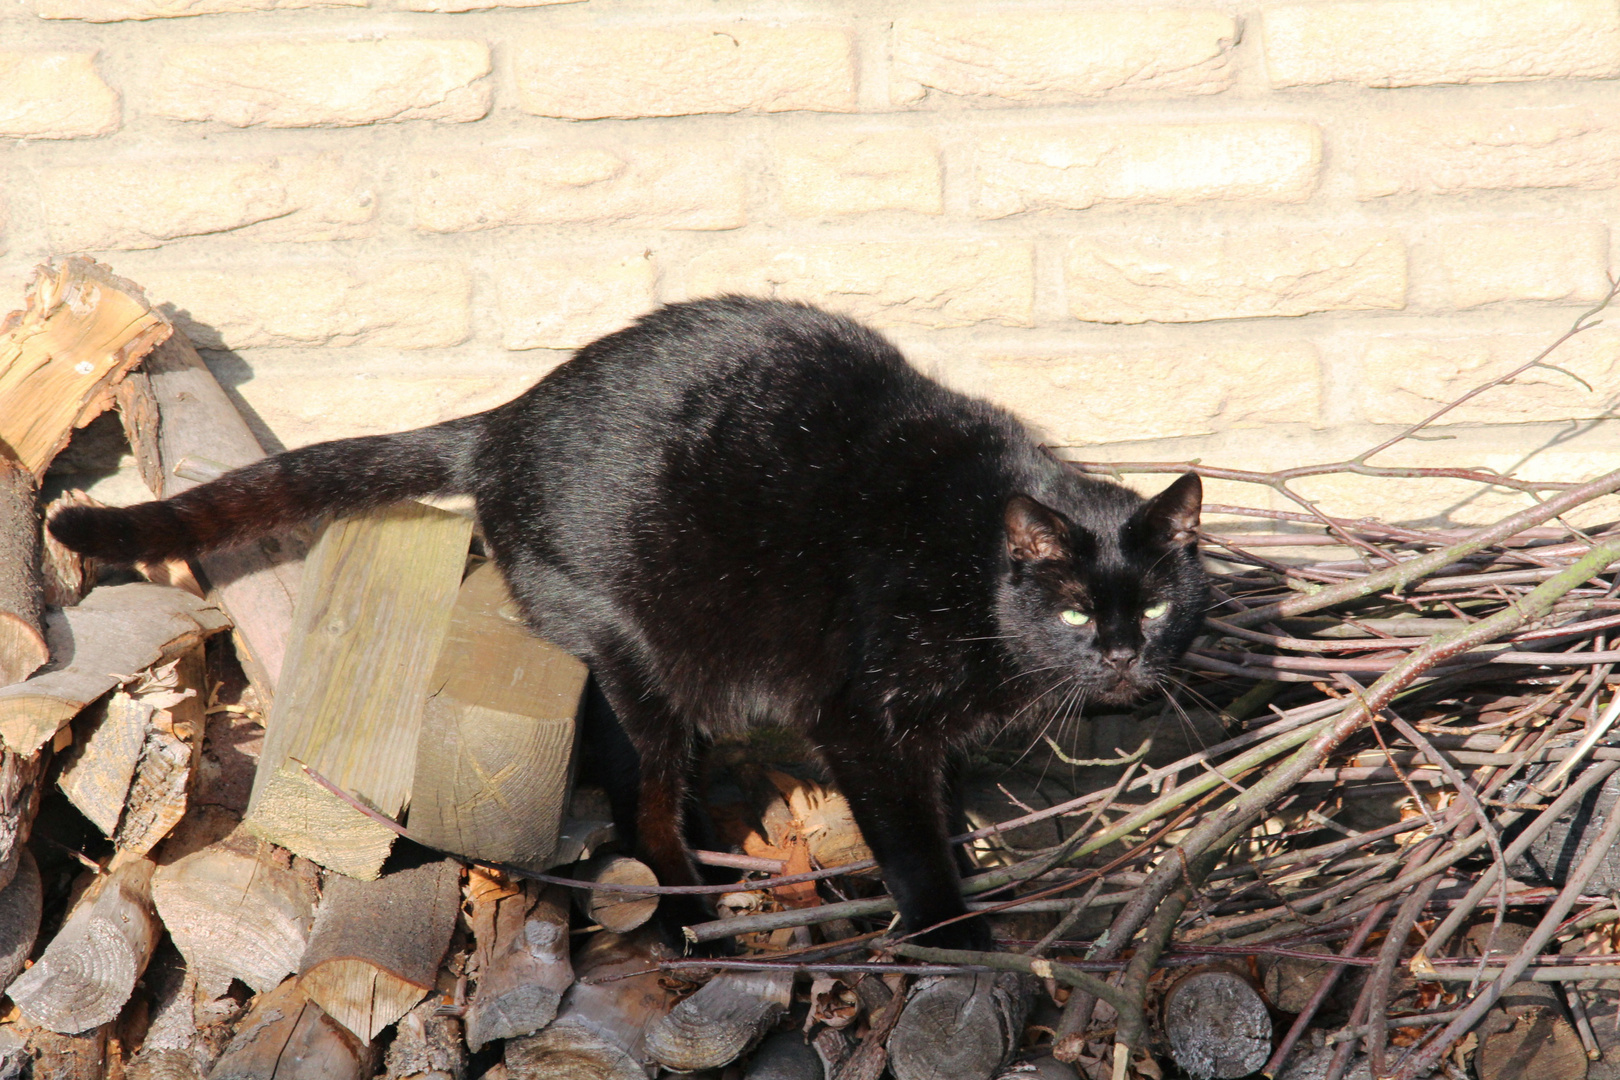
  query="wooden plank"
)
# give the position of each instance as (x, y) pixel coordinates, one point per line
(373, 613)
(117, 631)
(375, 948)
(195, 433)
(494, 764)
(81, 331)
(90, 968)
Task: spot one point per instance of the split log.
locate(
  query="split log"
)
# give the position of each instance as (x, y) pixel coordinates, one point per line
(375, 948)
(68, 1057)
(1527, 1035)
(819, 815)
(187, 1030)
(578, 838)
(120, 629)
(883, 1004)
(192, 433)
(285, 1036)
(1217, 1025)
(370, 620)
(1291, 981)
(716, 1025)
(784, 1055)
(601, 1027)
(129, 773)
(19, 801)
(616, 911)
(66, 574)
(522, 963)
(494, 762)
(1043, 1068)
(964, 1027)
(81, 331)
(236, 911)
(89, 969)
(426, 1046)
(19, 918)
(1563, 846)
(22, 628)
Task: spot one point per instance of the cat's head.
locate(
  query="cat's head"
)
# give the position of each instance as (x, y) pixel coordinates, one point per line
(1101, 591)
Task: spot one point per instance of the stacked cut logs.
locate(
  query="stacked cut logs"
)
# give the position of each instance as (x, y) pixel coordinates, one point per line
(1371, 831)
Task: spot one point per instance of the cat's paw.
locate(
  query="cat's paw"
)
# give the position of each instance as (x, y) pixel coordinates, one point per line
(971, 934)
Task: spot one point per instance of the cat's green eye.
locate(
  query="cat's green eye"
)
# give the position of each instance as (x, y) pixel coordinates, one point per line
(1075, 618)
(1156, 611)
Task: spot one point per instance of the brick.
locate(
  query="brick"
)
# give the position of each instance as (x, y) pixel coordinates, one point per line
(628, 71)
(1114, 395)
(827, 175)
(101, 11)
(54, 96)
(410, 305)
(476, 5)
(310, 399)
(147, 202)
(1420, 42)
(1059, 56)
(1405, 379)
(931, 284)
(323, 83)
(1132, 279)
(666, 186)
(1078, 166)
(1458, 150)
(1516, 260)
(568, 301)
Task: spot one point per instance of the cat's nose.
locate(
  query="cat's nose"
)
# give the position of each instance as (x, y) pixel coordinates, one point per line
(1121, 657)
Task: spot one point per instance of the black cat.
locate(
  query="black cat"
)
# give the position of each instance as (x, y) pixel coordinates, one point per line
(742, 510)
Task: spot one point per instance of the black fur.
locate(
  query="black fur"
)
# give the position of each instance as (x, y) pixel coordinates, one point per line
(742, 510)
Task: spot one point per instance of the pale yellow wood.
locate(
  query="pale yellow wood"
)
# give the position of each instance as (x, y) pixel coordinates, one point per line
(494, 762)
(377, 593)
(302, 816)
(81, 330)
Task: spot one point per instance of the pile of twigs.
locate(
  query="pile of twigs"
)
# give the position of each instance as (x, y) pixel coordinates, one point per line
(1470, 670)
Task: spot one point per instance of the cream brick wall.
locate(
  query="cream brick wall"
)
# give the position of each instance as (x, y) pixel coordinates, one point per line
(1259, 233)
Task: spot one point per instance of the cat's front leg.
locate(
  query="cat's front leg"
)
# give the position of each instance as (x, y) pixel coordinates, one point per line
(896, 788)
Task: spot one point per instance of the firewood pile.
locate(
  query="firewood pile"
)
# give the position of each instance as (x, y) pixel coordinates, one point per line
(309, 808)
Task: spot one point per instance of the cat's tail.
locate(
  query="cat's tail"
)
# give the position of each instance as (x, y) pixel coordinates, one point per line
(339, 477)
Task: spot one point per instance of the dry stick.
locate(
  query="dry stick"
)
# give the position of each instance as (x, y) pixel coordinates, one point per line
(1326, 736)
(1378, 985)
(1423, 1058)
(1576, 791)
(1407, 572)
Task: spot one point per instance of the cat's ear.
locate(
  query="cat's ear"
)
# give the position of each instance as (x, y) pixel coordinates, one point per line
(1171, 516)
(1034, 532)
